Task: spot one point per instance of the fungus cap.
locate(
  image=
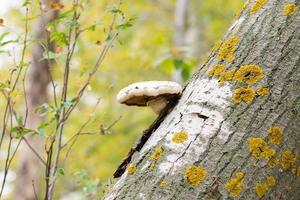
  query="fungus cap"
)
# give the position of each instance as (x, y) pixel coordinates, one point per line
(141, 93)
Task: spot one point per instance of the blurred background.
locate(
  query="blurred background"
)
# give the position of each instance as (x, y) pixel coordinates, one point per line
(168, 40)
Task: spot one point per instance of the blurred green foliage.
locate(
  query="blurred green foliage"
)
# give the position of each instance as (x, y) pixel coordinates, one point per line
(143, 52)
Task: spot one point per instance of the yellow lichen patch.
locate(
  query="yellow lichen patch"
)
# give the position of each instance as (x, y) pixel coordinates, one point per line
(240, 11)
(243, 94)
(228, 48)
(298, 172)
(255, 146)
(272, 162)
(180, 137)
(235, 185)
(289, 9)
(271, 181)
(217, 44)
(226, 76)
(262, 91)
(257, 6)
(216, 70)
(287, 159)
(131, 169)
(249, 74)
(259, 149)
(268, 153)
(163, 184)
(275, 135)
(194, 175)
(152, 165)
(157, 154)
(262, 188)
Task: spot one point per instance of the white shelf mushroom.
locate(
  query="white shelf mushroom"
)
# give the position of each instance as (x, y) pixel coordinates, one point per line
(155, 94)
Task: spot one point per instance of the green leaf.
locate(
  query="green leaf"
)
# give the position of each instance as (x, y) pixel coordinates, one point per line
(72, 23)
(61, 171)
(178, 63)
(21, 131)
(92, 28)
(4, 86)
(41, 129)
(49, 55)
(3, 35)
(114, 9)
(69, 103)
(108, 37)
(126, 24)
(20, 120)
(59, 37)
(26, 3)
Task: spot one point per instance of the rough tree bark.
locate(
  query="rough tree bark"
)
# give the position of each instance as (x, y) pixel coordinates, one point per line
(220, 131)
(29, 166)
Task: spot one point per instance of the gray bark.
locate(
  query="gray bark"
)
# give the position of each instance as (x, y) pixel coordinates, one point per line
(29, 166)
(219, 143)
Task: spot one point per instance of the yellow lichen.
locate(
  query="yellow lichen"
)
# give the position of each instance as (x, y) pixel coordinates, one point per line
(194, 175)
(157, 154)
(287, 159)
(262, 188)
(271, 181)
(250, 74)
(228, 48)
(217, 44)
(257, 6)
(163, 184)
(268, 153)
(240, 11)
(180, 137)
(216, 70)
(255, 146)
(235, 185)
(272, 162)
(289, 9)
(243, 94)
(152, 165)
(262, 91)
(259, 149)
(131, 169)
(226, 76)
(298, 172)
(275, 135)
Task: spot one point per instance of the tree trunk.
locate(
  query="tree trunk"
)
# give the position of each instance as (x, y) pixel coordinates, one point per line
(181, 26)
(29, 166)
(220, 139)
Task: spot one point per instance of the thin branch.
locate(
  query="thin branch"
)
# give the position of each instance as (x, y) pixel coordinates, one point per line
(34, 151)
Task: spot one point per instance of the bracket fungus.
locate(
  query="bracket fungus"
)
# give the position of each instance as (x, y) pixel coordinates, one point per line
(156, 94)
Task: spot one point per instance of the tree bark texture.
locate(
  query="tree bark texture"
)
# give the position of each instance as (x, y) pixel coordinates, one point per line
(219, 131)
(29, 166)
